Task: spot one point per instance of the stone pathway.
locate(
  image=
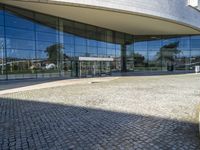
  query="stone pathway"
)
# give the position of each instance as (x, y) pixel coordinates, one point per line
(139, 113)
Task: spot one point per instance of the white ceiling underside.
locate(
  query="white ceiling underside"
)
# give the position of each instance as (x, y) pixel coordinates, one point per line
(129, 23)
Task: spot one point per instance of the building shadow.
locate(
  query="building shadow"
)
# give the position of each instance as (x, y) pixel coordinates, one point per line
(39, 125)
(17, 83)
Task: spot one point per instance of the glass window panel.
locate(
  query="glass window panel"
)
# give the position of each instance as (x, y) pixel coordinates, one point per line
(20, 44)
(17, 55)
(80, 49)
(68, 39)
(169, 41)
(140, 46)
(13, 11)
(184, 43)
(43, 28)
(2, 60)
(154, 45)
(195, 37)
(46, 23)
(42, 55)
(111, 52)
(195, 43)
(92, 50)
(41, 36)
(195, 53)
(184, 54)
(102, 51)
(80, 41)
(81, 54)
(1, 10)
(18, 22)
(101, 44)
(69, 48)
(92, 43)
(20, 34)
(1, 31)
(111, 45)
(1, 20)
(44, 45)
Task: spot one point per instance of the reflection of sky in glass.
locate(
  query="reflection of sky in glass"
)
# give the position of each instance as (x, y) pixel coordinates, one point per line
(17, 22)
(24, 54)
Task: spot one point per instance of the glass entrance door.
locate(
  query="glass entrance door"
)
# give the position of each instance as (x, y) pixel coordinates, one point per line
(94, 68)
(67, 68)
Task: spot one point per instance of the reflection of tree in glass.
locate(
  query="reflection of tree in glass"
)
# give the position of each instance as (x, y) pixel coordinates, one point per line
(54, 52)
(168, 53)
(138, 59)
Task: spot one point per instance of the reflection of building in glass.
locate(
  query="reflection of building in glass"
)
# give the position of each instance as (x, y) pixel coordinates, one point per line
(34, 45)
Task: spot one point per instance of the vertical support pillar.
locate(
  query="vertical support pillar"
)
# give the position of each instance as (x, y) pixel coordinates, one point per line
(123, 58)
(61, 42)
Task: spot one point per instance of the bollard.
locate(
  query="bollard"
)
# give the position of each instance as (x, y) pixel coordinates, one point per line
(197, 69)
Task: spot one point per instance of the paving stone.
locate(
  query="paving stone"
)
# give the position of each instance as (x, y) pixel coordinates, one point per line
(141, 113)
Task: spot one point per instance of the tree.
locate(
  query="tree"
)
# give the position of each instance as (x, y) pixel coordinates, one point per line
(139, 59)
(168, 53)
(54, 52)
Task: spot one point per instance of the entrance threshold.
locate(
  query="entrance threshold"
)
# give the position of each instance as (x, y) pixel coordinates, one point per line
(94, 66)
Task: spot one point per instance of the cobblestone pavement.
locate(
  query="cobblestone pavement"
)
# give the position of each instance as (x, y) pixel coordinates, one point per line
(149, 113)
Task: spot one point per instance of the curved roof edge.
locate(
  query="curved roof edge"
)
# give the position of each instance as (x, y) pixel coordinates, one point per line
(161, 10)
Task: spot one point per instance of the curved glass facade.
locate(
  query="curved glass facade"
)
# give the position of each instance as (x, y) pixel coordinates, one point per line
(34, 45)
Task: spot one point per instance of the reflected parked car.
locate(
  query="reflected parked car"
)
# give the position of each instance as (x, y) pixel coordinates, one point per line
(50, 66)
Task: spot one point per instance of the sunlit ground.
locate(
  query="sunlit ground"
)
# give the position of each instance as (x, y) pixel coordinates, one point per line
(169, 96)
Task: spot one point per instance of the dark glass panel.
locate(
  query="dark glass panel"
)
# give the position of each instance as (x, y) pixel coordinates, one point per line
(1, 31)
(46, 23)
(1, 10)
(68, 26)
(13, 11)
(20, 44)
(19, 33)
(91, 33)
(1, 20)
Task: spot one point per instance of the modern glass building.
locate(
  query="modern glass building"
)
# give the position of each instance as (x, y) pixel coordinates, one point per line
(34, 44)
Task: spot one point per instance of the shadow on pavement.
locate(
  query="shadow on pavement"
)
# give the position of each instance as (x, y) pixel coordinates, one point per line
(39, 125)
(11, 84)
